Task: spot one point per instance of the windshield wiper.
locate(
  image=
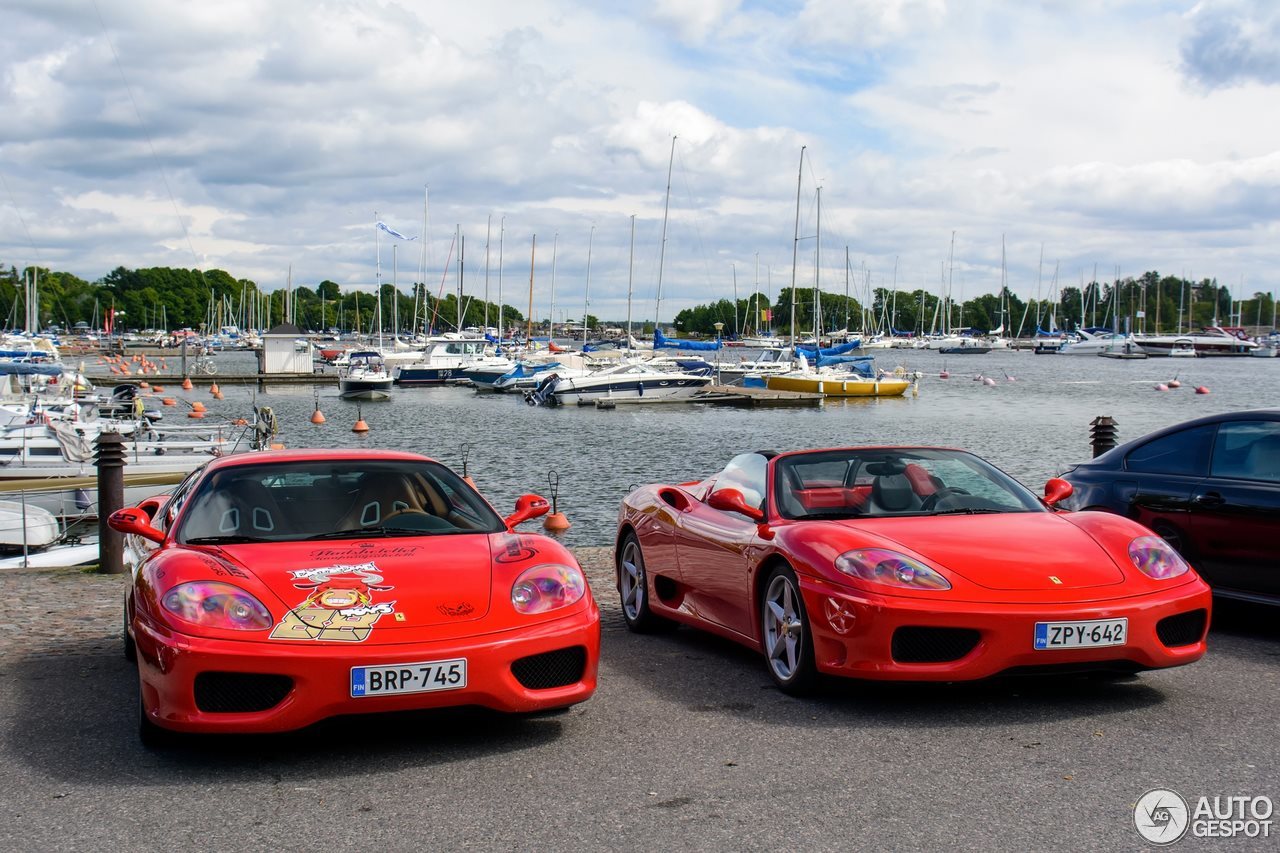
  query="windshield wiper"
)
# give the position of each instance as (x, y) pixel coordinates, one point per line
(234, 539)
(829, 516)
(969, 511)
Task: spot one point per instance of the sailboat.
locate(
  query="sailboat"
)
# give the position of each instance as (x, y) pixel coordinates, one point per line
(834, 374)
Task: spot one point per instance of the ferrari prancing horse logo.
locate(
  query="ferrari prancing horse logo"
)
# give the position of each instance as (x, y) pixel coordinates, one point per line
(1055, 580)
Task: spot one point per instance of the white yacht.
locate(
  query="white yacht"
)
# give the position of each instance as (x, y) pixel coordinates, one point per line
(365, 377)
(618, 382)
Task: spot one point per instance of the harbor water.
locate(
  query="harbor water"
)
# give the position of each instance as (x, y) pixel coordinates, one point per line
(1032, 422)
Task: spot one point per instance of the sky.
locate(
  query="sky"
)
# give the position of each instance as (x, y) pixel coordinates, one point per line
(267, 138)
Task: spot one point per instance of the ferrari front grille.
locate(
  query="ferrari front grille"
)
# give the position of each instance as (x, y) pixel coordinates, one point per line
(551, 669)
(240, 692)
(1184, 629)
(915, 644)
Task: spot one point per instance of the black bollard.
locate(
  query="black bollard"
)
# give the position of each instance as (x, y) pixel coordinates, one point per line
(109, 453)
(1102, 434)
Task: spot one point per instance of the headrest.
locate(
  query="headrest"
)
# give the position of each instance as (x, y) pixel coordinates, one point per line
(885, 467)
(892, 492)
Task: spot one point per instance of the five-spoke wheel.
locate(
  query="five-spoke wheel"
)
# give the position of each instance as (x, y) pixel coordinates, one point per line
(633, 587)
(788, 646)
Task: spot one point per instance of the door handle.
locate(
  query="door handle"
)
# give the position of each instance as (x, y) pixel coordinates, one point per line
(1209, 499)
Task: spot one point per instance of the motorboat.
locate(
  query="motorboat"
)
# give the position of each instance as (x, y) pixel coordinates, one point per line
(622, 381)
(1212, 341)
(442, 360)
(1091, 343)
(1124, 350)
(965, 346)
(365, 377)
(1183, 348)
(840, 376)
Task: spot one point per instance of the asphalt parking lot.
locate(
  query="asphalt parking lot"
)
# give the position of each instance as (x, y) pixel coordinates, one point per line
(686, 745)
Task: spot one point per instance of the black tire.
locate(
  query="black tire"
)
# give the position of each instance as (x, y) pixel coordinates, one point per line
(633, 590)
(130, 647)
(785, 635)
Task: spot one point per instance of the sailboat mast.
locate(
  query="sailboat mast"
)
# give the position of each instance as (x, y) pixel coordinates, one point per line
(662, 248)
(817, 268)
(488, 230)
(528, 330)
(551, 323)
(795, 250)
(377, 277)
(846, 291)
(630, 268)
(586, 298)
(735, 300)
(502, 228)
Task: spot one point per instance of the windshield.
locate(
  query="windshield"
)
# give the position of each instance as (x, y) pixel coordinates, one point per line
(333, 499)
(880, 482)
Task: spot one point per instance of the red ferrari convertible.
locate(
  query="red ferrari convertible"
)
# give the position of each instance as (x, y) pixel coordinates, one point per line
(271, 590)
(903, 563)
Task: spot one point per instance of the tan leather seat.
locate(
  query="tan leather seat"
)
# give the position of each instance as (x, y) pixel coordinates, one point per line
(384, 495)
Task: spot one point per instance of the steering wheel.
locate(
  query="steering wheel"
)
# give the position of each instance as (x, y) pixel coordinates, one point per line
(932, 500)
(415, 519)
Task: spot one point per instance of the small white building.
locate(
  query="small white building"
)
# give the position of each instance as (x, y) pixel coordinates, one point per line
(285, 350)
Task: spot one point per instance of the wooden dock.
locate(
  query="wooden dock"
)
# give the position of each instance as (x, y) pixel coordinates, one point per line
(722, 395)
(174, 381)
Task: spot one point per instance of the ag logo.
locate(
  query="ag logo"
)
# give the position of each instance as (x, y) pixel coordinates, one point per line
(1161, 816)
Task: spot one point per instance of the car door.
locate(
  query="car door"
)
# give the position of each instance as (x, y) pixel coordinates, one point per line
(1235, 512)
(1159, 479)
(714, 548)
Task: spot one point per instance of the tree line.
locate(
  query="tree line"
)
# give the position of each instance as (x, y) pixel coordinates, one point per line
(1148, 303)
(168, 298)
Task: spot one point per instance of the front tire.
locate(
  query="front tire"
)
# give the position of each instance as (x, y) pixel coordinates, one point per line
(130, 647)
(633, 587)
(785, 635)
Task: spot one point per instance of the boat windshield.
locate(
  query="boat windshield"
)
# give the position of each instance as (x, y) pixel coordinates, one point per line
(333, 499)
(878, 482)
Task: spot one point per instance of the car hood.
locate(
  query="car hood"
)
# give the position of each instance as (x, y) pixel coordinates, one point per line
(342, 590)
(1009, 551)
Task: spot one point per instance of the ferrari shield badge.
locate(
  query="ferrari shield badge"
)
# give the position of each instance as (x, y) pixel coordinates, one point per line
(339, 604)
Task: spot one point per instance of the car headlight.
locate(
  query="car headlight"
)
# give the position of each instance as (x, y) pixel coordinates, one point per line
(880, 565)
(1156, 558)
(548, 587)
(211, 604)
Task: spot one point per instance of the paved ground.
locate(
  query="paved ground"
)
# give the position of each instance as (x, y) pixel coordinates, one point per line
(685, 746)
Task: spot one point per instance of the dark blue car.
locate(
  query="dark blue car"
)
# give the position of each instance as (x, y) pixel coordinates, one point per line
(1210, 487)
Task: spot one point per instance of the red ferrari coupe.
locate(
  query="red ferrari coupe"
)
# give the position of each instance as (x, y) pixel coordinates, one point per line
(905, 563)
(271, 590)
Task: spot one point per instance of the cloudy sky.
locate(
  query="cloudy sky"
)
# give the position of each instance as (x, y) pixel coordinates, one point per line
(253, 136)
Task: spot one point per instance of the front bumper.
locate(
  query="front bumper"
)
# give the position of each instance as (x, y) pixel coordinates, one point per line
(853, 633)
(169, 663)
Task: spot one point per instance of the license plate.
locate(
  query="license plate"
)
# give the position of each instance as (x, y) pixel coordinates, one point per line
(1081, 635)
(422, 677)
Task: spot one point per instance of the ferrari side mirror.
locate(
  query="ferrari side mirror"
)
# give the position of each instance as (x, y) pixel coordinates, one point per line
(731, 500)
(135, 521)
(527, 507)
(1056, 491)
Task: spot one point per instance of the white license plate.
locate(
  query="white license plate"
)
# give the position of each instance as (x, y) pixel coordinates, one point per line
(420, 677)
(1081, 635)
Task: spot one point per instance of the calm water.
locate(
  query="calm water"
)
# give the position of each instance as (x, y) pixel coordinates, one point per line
(1032, 423)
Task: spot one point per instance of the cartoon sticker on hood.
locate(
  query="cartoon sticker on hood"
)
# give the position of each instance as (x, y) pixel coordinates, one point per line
(339, 604)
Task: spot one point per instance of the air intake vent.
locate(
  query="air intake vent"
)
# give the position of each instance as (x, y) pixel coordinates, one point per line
(932, 645)
(240, 692)
(551, 669)
(1185, 629)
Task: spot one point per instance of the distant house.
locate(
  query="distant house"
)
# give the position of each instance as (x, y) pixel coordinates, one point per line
(285, 350)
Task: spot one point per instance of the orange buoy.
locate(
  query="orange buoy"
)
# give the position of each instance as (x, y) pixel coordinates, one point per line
(1201, 389)
(240, 422)
(214, 389)
(197, 406)
(1173, 383)
(217, 395)
(195, 413)
(144, 384)
(1162, 387)
(157, 388)
(317, 417)
(169, 401)
(944, 375)
(275, 445)
(556, 521)
(186, 383)
(360, 426)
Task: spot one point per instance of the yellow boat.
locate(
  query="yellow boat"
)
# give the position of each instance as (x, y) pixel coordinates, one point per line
(842, 386)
